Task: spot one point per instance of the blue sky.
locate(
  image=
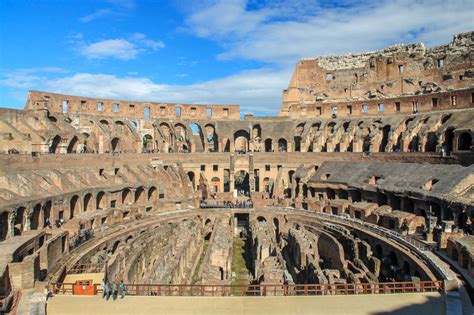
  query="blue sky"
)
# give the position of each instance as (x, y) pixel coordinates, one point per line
(232, 51)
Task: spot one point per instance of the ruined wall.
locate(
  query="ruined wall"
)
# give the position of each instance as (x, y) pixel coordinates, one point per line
(384, 77)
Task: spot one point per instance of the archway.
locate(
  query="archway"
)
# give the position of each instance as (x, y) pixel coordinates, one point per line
(115, 144)
(148, 143)
(34, 219)
(215, 183)
(3, 226)
(152, 193)
(138, 194)
(54, 147)
(72, 147)
(464, 141)
(268, 145)
(191, 177)
(19, 221)
(72, 206)
(385, 133)
(241, 183)
(100, 200)
(126, 196)
(282, 145)
(87, 204)
(448, 139)
(241, 141)
(298, 144)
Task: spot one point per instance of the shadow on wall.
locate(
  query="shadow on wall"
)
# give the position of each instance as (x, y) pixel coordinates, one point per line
(433, 305)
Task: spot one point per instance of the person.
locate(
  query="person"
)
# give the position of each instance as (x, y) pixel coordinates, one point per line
(107, 291)
(102, 285)
(122, 289)
(114, 291)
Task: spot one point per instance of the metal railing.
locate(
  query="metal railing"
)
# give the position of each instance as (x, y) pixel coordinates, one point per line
(267, 289)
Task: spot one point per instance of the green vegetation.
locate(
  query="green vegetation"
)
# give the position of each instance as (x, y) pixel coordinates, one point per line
(239, 267)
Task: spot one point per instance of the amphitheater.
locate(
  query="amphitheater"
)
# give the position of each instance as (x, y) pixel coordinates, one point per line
(357, 199)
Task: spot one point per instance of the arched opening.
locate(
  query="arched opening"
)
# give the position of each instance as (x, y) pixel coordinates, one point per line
(448, 139)
(54, 147)
(215, 184)
(464, 141)
(261, 219)
(268, 145)
(34, 219)
(47, 213)
(100, 201)
(385, 133)
(126, 196)
(152, 193)
(87, 202)
(115, 144)
(282, 145)
(413, 145)
(19, 223)
(366, 144)
(226, 145)
(276, 223)
(191, 177)
(241, 183)
(298, 144)
(72, 147)
(115, 246)
(267, 184)
(221, 271)
(3, 226)
(431, 142)
(241, 141)
(139, 194)
(148, 143)
(72, 206)
(212, 141)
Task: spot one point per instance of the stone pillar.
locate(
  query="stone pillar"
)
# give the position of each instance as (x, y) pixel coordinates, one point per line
(11, 224)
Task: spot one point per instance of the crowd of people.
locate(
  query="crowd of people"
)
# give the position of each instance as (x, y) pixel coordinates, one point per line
(112, 290)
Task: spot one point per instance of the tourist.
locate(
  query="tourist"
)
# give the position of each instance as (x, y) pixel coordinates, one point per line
(102, 285)
(107, 291)
(122, 289)
(114, 291)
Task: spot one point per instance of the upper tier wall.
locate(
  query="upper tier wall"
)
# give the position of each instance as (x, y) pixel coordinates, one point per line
(60, 103)
(372, 77)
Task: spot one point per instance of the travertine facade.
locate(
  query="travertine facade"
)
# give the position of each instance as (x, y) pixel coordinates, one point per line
(371, 154)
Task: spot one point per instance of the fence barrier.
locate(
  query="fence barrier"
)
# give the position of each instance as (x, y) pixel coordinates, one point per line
(265, 289)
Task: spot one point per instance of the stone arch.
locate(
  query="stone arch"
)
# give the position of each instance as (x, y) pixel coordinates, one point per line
(241, 182)
(215, 184)
(148, 144)
(47, 213)
(212, 140)
(35, 217)
(100, 200)
(73, 206)
(282, 145)
(126, 196)
(385, 132)
(226, 145)
(297, 144)
(87, 204)
(3, 225)
(115, 145)
(448, 139)
(269, 145)
(152, 193)
(192, 178)
(464, 141)
(261, 219)
(19, 223)
(54, 147)
(139, 194)
(72, 147)
(241, 140)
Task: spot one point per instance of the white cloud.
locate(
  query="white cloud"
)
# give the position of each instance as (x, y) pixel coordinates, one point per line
(116, 8)
(123, 49)
(115, 48)
(244, 88)
(275, 34)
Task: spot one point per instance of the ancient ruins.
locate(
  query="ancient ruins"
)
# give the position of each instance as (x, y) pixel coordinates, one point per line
(365, 179)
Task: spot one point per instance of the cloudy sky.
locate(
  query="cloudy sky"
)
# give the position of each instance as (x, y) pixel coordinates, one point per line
(231, 51)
